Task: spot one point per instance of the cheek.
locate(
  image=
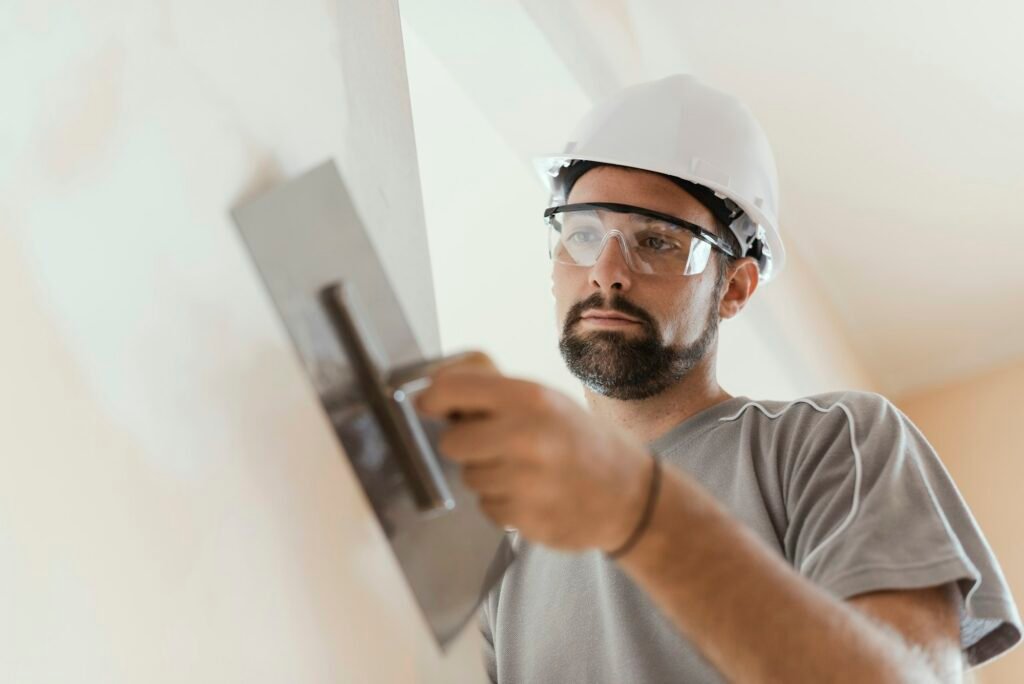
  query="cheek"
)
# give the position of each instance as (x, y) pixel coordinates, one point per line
(564, 283)
(674, 303)
(563, 277)
(687, 318)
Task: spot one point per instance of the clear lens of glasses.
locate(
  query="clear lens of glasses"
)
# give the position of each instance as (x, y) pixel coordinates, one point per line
(651, 245)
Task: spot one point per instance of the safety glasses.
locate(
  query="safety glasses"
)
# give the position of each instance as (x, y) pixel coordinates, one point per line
(652, 242)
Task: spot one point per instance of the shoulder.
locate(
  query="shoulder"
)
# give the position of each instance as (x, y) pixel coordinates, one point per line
(851, 405)
(820, 422)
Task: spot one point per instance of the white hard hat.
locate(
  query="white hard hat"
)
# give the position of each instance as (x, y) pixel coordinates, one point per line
(681, 127)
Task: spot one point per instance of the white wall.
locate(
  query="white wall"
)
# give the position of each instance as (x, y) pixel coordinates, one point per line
(173, 506)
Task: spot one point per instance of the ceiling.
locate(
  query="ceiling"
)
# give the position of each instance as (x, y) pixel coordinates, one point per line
(898, 130)
(899, 135)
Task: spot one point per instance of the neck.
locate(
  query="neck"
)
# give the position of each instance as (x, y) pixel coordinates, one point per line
(648, 419)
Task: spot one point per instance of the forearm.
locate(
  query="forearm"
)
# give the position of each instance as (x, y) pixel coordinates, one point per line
(751, 615)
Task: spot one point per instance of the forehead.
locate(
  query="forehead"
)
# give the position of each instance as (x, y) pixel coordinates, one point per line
(639, 188)
(606, 216)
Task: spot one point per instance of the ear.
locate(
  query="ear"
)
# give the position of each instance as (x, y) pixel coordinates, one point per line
(742, 279)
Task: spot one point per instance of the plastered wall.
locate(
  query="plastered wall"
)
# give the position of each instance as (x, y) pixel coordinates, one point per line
(173, 506)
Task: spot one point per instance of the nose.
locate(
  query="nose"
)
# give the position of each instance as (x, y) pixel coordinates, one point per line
(611, 270)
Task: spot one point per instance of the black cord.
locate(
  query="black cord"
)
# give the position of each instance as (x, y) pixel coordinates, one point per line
(645, 518)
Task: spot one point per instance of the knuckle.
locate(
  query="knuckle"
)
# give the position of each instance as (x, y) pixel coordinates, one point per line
(479, 357)
(531, 442)
(535, 394)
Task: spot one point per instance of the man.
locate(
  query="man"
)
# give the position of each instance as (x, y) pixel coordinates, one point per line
(675, 532)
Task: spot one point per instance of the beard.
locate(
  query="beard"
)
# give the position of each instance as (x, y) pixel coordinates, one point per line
(629, 367)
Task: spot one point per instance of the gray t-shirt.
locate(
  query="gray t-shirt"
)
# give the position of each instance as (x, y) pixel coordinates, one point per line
(842, 485)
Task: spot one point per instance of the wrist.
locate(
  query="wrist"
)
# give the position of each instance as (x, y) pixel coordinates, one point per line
(640, 497)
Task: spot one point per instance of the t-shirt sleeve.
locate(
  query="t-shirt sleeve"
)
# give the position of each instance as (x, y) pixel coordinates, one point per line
(871, 507)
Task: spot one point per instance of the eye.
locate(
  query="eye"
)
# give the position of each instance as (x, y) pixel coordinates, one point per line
(659, 244)
(581, 236)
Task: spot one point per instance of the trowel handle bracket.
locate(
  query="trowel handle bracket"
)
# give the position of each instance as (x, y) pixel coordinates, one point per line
(391, 405)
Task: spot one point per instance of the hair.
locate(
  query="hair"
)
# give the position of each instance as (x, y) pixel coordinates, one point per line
(724, 260)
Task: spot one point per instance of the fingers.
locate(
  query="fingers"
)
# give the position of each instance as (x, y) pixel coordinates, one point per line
(489, 480)
(468, 390)
(495, 485)
(471, 360)
(482, 441)
(499, 509)
(473, 440)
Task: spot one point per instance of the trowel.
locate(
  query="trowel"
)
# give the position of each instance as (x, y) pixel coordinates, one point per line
(348, 328)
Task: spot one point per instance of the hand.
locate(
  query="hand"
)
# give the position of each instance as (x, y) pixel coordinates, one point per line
(538, 461)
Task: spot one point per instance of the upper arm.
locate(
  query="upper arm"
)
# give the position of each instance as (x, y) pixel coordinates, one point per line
(870, 507)
(928, 620)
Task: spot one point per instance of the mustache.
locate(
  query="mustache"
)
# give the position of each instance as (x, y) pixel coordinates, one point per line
(596, 301)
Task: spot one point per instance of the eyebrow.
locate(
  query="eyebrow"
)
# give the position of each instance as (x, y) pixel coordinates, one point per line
(650, 219)
(634, 218)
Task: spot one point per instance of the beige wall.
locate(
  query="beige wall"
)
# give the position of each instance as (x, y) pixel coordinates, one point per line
(977, 426)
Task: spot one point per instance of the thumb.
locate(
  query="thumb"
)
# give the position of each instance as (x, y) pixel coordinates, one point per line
(472, 361)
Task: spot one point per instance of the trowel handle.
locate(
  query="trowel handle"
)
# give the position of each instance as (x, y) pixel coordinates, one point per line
(391, 405)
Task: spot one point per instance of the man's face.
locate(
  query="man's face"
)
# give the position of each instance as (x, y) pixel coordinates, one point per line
(677, 315)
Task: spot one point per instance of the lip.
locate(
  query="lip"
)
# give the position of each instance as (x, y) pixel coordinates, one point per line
(608, 322)
(608, 316)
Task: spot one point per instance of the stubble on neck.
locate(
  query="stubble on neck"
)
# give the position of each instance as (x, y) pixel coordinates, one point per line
(647, 419)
